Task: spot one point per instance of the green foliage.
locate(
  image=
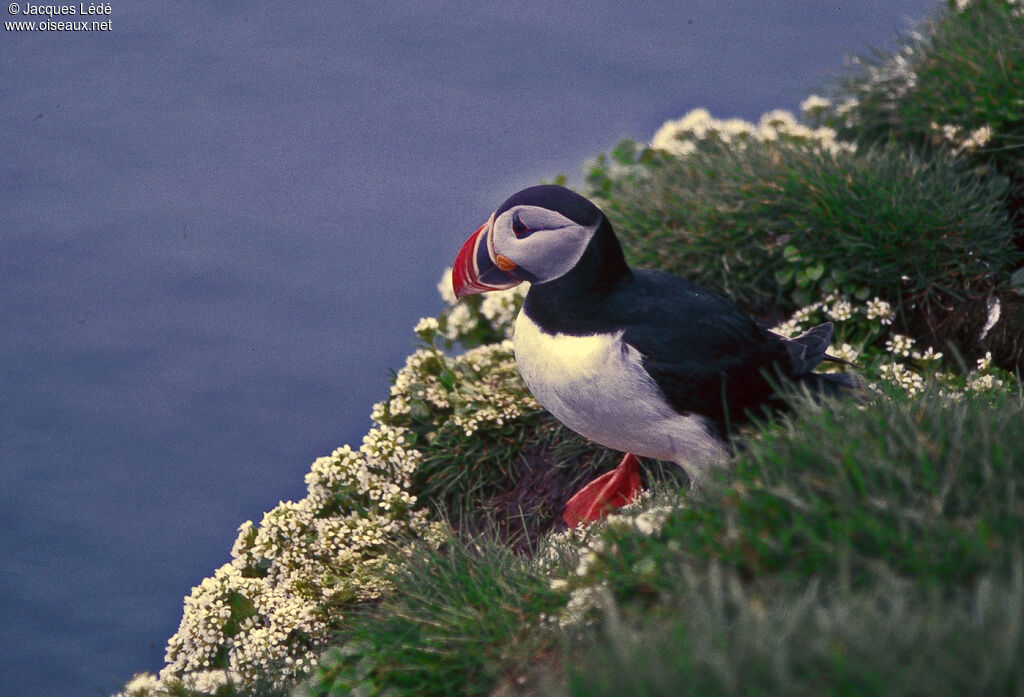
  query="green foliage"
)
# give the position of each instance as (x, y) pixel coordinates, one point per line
(852, 550)
(958, 82)
(931, 489)
(460, 616)
(780, 224)
(724, 637)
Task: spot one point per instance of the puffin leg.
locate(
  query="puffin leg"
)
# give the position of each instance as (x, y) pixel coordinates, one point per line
(608, 492)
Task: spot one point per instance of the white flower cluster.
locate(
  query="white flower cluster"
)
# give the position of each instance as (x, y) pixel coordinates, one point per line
(840, 310)
(901, 376)
(961, 139)
(1018, 6)
(880, 310)
(416, 383)
(681, 136)
(983, 380)
(268, 612)
(894, 78)
(866, 323)
(500, 308)
(899, 345)
(837, 308)
(588, 590)
(487, 389)
(203, 682)
(845, 352)
(495, 394)
(929, 356)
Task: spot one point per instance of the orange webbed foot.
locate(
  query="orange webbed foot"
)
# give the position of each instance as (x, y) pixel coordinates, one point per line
(606, 493)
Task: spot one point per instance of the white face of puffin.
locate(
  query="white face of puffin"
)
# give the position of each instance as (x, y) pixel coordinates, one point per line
(543, 244)
(524, 243)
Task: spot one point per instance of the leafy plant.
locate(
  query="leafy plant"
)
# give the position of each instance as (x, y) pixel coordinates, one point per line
(461, 616)
(776, 224)
(855, 550)
(955, 83)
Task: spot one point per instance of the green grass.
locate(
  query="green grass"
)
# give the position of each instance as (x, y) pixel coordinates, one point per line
(779, 225)
(459, 619)
(517, 477)
(874, 551)
(961, 69)
(855, 549)
(723, 637)
(930, 488)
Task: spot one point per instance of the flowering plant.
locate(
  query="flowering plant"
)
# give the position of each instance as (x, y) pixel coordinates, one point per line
(865, 336)
(266, 614)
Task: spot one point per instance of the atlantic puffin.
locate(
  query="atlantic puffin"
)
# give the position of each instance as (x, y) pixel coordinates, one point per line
(636, 360)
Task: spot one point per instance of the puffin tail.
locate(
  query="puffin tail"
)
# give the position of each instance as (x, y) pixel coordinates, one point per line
(829, 384)
(809, 349)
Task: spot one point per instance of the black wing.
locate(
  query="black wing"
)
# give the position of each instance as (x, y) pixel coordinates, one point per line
(705, 354)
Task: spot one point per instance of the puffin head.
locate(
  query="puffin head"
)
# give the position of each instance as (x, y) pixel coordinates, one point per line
(537, 235)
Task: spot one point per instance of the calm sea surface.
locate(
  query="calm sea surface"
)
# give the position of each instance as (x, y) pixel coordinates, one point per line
(220, 220)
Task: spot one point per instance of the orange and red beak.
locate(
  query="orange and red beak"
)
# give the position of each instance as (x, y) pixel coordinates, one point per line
(478, 269)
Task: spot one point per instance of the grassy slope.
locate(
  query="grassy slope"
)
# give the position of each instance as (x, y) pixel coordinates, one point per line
(858, 549)
(864, 548)
(886, 561)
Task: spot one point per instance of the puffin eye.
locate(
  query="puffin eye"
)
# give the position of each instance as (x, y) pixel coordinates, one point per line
(519, 227)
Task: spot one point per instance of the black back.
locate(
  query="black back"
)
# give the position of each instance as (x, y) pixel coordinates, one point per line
(706, 355)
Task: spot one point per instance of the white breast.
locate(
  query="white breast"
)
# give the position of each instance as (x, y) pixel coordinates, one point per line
(597, 386)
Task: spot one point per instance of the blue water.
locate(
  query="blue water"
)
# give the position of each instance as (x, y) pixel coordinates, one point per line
(219, 222)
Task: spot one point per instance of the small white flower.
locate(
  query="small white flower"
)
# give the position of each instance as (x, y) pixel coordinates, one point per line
(426, 324)
(899, 345)
(582, 601)
(445, 288)
(460, 320)
(910, 382)
(978, 138)
(778, 119)
(983, 383)
(847, 106)
(881, 310)
(789, 328)
(804, 314)
(928, 356)
(559, 584)
(841, 310)
(845, 352)
(985, 362)
(730, 129)
(143, 685)
(672, 135)
(814, 104)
